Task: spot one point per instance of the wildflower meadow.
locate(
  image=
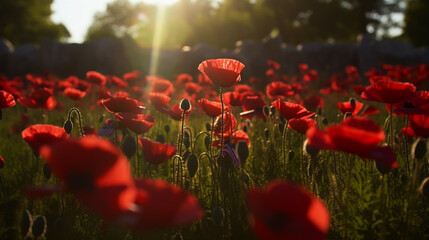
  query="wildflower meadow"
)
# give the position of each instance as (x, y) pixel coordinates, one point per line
(214, 155)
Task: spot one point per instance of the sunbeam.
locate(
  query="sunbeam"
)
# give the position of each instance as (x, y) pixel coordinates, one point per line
(158, 36)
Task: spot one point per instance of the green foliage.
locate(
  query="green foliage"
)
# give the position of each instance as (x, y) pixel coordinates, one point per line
(28, 21)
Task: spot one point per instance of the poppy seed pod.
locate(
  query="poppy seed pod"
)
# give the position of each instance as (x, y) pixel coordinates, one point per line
(192, 164)
(381, 168)
(26, 224)
(319, 111)
(424, 187)
(242, 151)
(185, 104)
(273, 110)
(325, 121)
(208, 127)
(129, 146)
(310, 150)
(266, 111)
(39, 227)
(352, 102)
(68, 126)
(244, 128)
(167, 128)
(218, 215)
(419, 149)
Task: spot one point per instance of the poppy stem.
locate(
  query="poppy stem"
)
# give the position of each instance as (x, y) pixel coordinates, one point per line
(406, 144)
(79, 115)
(285, 135)
(2, 188)
(391, 125)
(138, 155)
(221, 120)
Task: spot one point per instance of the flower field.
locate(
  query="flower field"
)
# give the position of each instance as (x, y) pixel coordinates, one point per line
(215, 156)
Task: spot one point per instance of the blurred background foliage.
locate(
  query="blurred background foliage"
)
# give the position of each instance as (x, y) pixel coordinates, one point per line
(221, 23)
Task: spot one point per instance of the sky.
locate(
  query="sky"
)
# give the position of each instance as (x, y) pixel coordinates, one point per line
(77, 15)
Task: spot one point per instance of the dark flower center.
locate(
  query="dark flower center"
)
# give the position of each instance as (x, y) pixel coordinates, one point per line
(277, 222)
(80, 182)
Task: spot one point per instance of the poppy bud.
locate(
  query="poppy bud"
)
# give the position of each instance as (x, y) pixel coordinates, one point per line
(273, 110)
(347, 115)
(325, 121)
(242, 151)
(185, 105)
(26, 224)
(266, 111)
(291, 154)
(129, 146)
(424, 187)
(68, 126)
(208, 127)
(59, 224)
(160, 138)
(192, 165)
(282, 120)
(207, 142)
(352, 102)
(244, 128)
(167, 128)
(419, 149)
(39, 227)
(218, 215)
(310, 150)
(381, 168)
(177, 236)
(186, 155)
(47, 171)
(267, 133)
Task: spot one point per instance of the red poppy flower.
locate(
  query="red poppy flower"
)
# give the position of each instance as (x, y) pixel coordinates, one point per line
(287, 211)
(89, 130)
(134, 75)
(160, 85)
(273, 64)
(1, 162)
(74, 93)
(204, 81)
(211, 108)
(96, 78)
(350, 107)
(119, 104)
(41, 98)
(357, 135)
(40, 134)
(121, 94)
(278, 90)
(118, 82)
(359, 89)
(387, 91)
(176, 112)
(252, 106)
(159, 101)
(138, 123)
(419, 123)
(229, 125)
(6, 99)
(156, 152)
(96, 171)
(303, 67)
(192, 88)
(183, 78)
(301, 125)
(165, 206)
(223, 72)
(370, 110)
(290, 110)
(232, 98)
(313, 102)
(417, 103)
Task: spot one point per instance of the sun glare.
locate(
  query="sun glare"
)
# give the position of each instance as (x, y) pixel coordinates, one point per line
(158, 36)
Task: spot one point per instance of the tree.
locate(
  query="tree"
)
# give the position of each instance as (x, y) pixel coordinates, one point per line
(28, 21)
(416, 22)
